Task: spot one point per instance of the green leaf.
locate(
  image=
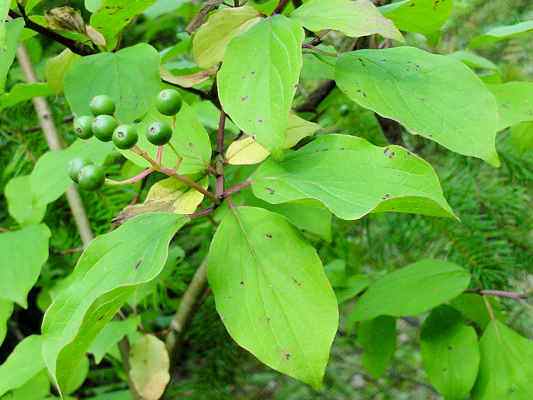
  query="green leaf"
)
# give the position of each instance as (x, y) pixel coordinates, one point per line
(353, 18)
(472, 306)
(57, 67)
(352, 178)
(433, 96)
(378, 339)
(22, 204)
(24, 92)
(258, 94)
(500, 33)
(22, 255)
(37, 388)
(515, 102)
(93, 5)
(309, 215)
(271, 290)
(422, 16)
(114, 15)
(190, 139)
(12, 29)
(346, 286)
(76, 377)
(112, 333)
(474, 60)
(450, 353)
(149, 363)
(49, 178)
(22, 364)
(412, 290)
(30, 5)
(522, 137)
(505, 370)
(129, 76)
(6, 308)
(4, 10)
(136, 253)
(210, 41)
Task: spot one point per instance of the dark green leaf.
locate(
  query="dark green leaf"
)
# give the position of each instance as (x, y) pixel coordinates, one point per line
(450, 353)
(378, 339)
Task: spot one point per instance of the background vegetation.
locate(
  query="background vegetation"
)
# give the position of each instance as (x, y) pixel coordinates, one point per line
(494, 240)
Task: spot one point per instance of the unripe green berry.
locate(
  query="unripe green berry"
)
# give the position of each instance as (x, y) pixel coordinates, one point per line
(344, 110)
(159, 133)
(91, 177)
(103, 127)
(168, 102)
(75, 166)
(83, 126)
(102, 105)
(125, 137)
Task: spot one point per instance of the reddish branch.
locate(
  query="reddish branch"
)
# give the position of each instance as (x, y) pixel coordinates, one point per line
(500, 293)
(281, 6)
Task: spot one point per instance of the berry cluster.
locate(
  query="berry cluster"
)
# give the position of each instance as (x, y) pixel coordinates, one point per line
(105, 127)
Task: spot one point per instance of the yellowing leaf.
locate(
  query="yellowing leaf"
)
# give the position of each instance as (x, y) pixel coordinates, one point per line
(247, 151)
(168, 195)
(210, 42)
(149, 363)
(353, 18)
(187, 81)
(57, 67)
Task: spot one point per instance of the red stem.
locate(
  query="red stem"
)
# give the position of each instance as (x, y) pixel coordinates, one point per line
(236, 188)
(134, 179)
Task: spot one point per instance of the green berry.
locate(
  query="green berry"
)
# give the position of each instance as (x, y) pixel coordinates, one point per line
(91, 177)
(83, 126)
(344, 110)
(103, 127)
(102, 105)
(125, 137)
(168, 102)
(75, 166)
(159, 133)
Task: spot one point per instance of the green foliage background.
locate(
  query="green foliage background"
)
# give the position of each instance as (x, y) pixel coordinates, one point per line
(494, 240)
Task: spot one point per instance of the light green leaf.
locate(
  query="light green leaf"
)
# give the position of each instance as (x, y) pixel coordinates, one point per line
(433, 96)
(76, 377)
(112, 333)
(474, 60)
(22, 364)
(450, 353)
(422, 16)
(378, 339)
(318, 66)
(129, 76)
(258, 94)
(297, 129)
(272, 293)
(24, 92)
(13, 29)
(352, 178)
(37, 388)
(190, 139)
(149, 363)
(522, 137)
(57, 67)
(505, 370)
(353, 18)
(210, 41)
(412, 290)
(92, 5)
(136, 253)
(515, 102)
(501, 33)
(22, 204)
(22, 255)
(346, 286)
(4, 10)
(6, 308)
(114, 15)
(49, 178)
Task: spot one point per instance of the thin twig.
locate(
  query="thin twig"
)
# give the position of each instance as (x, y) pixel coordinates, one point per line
(281, 6)
(74, 46)
(500, 293)
(131, 180)
(219, 169)
(236, 188)
(185, 311)
(49, 129)
(202, 15)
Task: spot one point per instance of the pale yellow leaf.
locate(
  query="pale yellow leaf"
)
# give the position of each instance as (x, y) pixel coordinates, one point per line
(209, 43)
(187, 81)
(149, 366)
(96, 37)
(246, 151)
